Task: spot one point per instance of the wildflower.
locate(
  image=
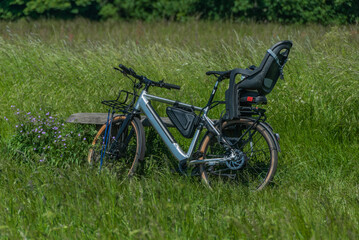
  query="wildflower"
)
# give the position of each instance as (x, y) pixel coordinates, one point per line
(35, 129)
(84, 139)
(41, 160)
(21, 131)
(55, 141)
(34, 149)
(39, 136)
(43, 132)
(64, 144)
(28, 113)
(47, 114)
(12, 106)
(59, 136)
(79, 135)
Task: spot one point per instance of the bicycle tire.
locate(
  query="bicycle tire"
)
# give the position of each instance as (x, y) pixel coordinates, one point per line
(257, 154)
(123, 158)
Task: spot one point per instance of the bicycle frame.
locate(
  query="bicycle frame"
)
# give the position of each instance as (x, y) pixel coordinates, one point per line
(143, 104)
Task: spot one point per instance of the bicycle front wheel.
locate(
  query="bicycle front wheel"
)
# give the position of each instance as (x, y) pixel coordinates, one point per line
(123, 156)
(255, 160)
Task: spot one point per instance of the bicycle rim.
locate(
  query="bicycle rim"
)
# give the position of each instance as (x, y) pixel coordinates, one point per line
(256, 155)
(124, 156)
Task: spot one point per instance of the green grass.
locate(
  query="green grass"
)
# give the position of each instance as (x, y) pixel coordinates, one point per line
(67, 67)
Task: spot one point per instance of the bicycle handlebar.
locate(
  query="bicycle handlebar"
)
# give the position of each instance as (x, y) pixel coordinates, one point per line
(143, 79)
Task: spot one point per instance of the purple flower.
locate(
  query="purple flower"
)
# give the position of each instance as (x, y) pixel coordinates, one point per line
(22, 125)
(55, 141)
(47, 114)
(21, 131)
(64, 144)
(17, 126)
(39, 136)
(43, 132)
(28, 113)
(41, 160)
(34, 149)
(59, 136)
(48, 146)
(12, 106)
(62, 124)
(79, 135)
(84, 139)
(17, 113)
(35, 129)
(55, 128)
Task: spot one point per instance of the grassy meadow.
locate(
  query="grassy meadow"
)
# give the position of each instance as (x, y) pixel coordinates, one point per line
(64, 67)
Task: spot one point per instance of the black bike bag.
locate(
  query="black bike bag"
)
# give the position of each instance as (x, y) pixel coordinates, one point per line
(260, 79)
(185, 120)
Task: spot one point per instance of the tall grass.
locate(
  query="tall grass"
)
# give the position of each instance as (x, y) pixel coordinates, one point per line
(67, 67)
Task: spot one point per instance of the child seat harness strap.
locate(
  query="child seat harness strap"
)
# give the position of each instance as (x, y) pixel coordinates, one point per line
(277, 60)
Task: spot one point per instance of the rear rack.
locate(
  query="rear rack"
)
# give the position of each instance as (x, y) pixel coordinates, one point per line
(123, 103)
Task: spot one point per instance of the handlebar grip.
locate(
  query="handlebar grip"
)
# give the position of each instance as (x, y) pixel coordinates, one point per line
(127, 70)
(171, 86)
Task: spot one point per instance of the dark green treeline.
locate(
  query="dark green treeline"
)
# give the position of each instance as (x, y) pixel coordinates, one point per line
(283, 11)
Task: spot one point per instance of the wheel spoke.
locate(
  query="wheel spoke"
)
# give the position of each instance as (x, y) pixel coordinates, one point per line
(253, 148)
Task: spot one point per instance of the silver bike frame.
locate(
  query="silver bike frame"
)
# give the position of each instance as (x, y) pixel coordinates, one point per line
(143, 104)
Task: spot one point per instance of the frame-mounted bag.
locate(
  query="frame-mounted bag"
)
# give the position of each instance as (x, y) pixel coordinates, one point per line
(185, 120)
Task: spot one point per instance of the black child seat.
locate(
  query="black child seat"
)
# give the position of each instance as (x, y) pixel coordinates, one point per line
(256, 82)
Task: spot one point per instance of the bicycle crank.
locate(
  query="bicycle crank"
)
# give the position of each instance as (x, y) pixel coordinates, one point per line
(234, 161)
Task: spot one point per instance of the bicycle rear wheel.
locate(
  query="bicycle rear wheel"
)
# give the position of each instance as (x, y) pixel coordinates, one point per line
(256, 155)
(123, 156)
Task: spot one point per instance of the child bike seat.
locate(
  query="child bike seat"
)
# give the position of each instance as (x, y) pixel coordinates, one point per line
(260, 79)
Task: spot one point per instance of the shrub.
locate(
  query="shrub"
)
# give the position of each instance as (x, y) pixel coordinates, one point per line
(43, 137)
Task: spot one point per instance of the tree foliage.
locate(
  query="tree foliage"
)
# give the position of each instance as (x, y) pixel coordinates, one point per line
(285, 11)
